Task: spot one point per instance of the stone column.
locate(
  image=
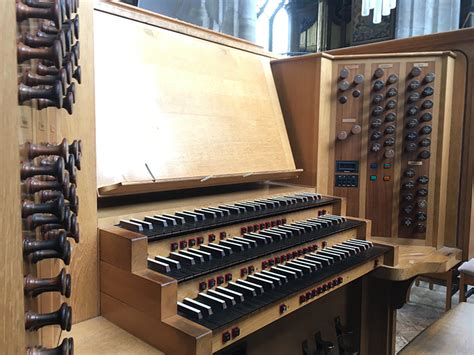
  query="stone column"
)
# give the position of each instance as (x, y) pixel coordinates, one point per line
(248, 20)
(420, 17)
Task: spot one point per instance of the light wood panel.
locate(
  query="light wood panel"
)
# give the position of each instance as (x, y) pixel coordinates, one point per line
(12, 327)
(204, 110)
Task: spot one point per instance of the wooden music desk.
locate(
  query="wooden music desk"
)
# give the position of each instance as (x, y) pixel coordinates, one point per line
(451, 334)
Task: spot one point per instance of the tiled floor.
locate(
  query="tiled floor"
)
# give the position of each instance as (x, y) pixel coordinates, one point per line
(424, 308)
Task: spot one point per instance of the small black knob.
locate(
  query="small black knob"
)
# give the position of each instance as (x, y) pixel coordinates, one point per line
(378, 73)
(377, 99)
(412, 123)
(426, 117)
(55, 207)
(420, 228)
(407, 221)
(414, 72)
(408, 185)
(391, 104)
(425, 130)
(390, 117)
(53, 93)
(425, 142)
(376, 123)
(411, 136)
(408, 197)
(427, 91)
(422, 192)
(429, 78)
(65, 348)
(408, 209)
(390, 129)
(56, 170)
(344, 73)
(389, 142)
(53, 54)
(392, 92)
(414, 97)
(376, 135)
(378, 85)
(53, 13)
(358, 79)
(376, 147)
(62, 317)
(410, 172)
(420, 216)
(36, 286)
(413, 85)
(344, 85)
(342, 99)
(377, 111)
(424, 154)
(422, 203)
(410, 147)
(412, 111)
(427, 104)
(356, 93)
(423, 180)
(392, 79)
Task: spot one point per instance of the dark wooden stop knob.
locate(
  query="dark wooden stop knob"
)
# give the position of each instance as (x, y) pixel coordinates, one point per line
(53, 93)
(64, 255)
(65, 348)
(75, 148)
(70, 166)
(54, 233)
(52, 12)
(54, 54)
(55, 207)
(32, 245)
(61, 317)
(56, 170)
(67, 103)
(33, 185)
(73, 24)
(65, 34)
(66, 11)
(71, 195)
(69, 224)
(32, 79)
(36, 150)
(77, 74)
(61, 283)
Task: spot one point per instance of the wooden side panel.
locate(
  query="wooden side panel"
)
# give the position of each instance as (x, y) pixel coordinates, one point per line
(12, 327)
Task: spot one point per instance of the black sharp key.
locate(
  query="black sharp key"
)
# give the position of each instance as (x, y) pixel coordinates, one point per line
(174, 264)
(238, 296)
(323, 258)
(307, 227)
(189, 217)
(204, 308)
(301, 261)
(267, 237)
(283, 278)
(335, 256)
(237, 247)
(178, 220)
(227, 250)
(288, 271)
(198, 258)
(305, 269)
(229, 300)
(183, 259)
(365, 243)
(317, 264)
(245, 290)
(207, 256)
(233, 210)
(222, 212)
(359, 247)
(346, 253)
(276, 281)
(207, 214)
(260, 240)
(157, 222)
(216, 252)
(287, 233)
(266, 284)
(169, 220)
(351, 250)
(215, 302)
(158, 266)
(258, 288)
(252, 243)
(316, 224)
(146, 225)
(189, 311)
(274, 235)
(245, 245)
(248, 207)
(131, 226)
(324, 223)
(268, 203)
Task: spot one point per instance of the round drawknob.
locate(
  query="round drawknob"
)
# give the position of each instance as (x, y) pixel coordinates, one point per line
(77, 74)
(392, 92)
(407, 221)
(408, 209)
(358, 79)
(54, 233)
(73, 200)
(377, 99)
(53, 13)
(429, 78)
(414, 97)
(389, 142)
(420, 228)
(356, 129)
(427, 104)
(344, 73)
(424, 154)
(414, 72)
(408, 185)
(376, 135)
(43, 69)
(377, 111)
(53, 54)
(342, 135)
(427, 91)
(73, 25)
(33, 185)
(62, 317)
(76, 150)
(413, 85)
(420, 216)
(36, 150)
(426, 117)
(378, 85)
(408, 197)
(64, 255)
(344, 85)
(423, 180)
(412, 123)
(342, 99)
(356, 93)
(389, 153)
(65, 348)
(56, 170)
(36, 286)
(391, 104)
(425, 142)
(412, 111)
(31, 79)
(411, 136)
(53, 93)
(425, 130)
(376, 147)
(390, 129)
(390, 117)
(422, 192)
(410, 172)
(392, 79)
(376, 123)
(422, 203)
(378, 73)
(31, 246)
(411, 147)
(55, 207)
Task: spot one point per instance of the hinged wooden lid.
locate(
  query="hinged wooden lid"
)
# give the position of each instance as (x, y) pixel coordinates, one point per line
(176, 111)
